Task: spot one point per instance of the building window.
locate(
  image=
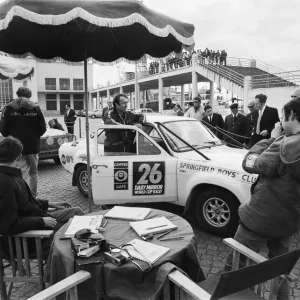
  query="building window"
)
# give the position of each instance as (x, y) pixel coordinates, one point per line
(78, 105)
(50, 96)
(64, 83)
(50, 83)
(64, 96)
(78, 96)
(6, 92)
(51, 105)
(78, 84)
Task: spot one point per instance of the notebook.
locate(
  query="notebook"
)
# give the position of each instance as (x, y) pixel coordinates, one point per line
(82, 222)
(128, 213)
(154, 225)
(145, 251)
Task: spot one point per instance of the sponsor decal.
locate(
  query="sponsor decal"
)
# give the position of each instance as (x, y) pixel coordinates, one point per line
(148, 178)
(243, 177)
(120, 175)
(63, 159)
(250, 161)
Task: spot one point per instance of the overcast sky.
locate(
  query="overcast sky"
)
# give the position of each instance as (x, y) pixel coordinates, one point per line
(267, 30)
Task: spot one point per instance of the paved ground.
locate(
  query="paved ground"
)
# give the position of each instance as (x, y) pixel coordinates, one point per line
(55, 184)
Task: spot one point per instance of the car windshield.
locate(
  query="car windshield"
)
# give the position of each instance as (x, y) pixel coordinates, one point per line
(193, 132)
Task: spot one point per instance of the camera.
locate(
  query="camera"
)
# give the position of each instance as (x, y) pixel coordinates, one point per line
(116, 257)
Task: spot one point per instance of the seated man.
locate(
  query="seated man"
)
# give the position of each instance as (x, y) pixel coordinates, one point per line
(121, 140)
(19, 211)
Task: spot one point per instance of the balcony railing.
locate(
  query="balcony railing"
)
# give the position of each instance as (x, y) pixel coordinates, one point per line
(51, 87)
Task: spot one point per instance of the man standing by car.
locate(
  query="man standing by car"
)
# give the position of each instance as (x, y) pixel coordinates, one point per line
(70, 118)
(196, 111)
(23, 119)
(121, 140)
(235, 123)
(267, 118)
(251, 120)
(213, 120)
(107, 108)
(272, 216)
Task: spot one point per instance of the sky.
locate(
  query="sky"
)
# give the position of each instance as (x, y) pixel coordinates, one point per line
(267, 30)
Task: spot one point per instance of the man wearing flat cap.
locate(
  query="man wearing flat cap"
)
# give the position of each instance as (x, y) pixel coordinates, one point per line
(235, 125)
(251, 120)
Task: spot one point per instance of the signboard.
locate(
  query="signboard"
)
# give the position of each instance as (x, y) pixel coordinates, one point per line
(120, 175)
(148, 178)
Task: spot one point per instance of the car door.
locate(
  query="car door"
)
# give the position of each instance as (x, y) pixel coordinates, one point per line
(138, 170)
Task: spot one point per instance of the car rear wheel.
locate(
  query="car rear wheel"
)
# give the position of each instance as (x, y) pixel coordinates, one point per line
(93, 116)
(82, 180)
(217, 211)
(57, 160)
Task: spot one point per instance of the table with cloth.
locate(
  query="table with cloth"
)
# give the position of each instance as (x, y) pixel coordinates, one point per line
(127, 282)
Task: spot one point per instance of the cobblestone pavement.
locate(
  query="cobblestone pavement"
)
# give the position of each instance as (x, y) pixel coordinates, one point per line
(55, 184)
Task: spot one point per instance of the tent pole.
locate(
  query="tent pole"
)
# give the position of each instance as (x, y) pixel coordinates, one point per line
(87, 135)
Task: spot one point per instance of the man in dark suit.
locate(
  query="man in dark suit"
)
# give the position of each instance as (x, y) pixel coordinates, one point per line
(70, 118)
(235, 123)
(212, 120)
(267, 118)
(251, 120)
(107, 108)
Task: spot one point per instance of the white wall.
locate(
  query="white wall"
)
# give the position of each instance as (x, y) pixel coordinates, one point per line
(277, 96)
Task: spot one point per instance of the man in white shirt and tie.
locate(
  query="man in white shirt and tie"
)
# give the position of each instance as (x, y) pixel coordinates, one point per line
(195, 112)
(212, 120)
(267, 118)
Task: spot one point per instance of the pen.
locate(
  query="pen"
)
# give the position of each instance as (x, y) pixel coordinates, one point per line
(156, 227)
(165, 233)
(173, 238)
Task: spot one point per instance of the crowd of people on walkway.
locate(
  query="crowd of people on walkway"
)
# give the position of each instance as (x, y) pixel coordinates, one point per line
(205, 57)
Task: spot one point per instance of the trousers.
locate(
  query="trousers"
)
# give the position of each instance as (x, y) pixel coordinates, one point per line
(29, 166)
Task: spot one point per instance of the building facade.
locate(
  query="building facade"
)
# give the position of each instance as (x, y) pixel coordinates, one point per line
(53, 86)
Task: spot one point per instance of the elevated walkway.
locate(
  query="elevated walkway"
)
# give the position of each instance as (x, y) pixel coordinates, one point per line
(240, 76)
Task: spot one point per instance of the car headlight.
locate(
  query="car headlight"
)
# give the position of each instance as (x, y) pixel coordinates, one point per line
(50, 141)
(66, 140)
(60, 141)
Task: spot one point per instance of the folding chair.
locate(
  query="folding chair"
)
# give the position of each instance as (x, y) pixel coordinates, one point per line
(239, 284)
(19, 253)
(68, 284)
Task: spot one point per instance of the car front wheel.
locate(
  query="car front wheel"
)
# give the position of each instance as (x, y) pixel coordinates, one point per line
(82, 180)
(93, 116)
(57, 160)
(217, 211)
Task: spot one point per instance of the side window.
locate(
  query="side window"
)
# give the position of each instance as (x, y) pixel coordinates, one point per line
(145, 147)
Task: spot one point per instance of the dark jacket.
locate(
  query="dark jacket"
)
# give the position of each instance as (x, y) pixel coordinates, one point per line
(274, 207)
(19, 211)
(251, 120)
(120, 140)
(70, 118)
(105, 109)
(236, 126)
(57, 125)
(217, 120)
(268, 120)
(180, 113)
(23, 119)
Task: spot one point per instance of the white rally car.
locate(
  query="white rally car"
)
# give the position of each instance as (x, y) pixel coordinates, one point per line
(172, 159)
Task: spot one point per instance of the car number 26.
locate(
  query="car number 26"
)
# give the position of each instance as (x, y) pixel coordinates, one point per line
(148, 178)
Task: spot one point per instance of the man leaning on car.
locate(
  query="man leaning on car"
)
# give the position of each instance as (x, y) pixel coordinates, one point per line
(121, 140)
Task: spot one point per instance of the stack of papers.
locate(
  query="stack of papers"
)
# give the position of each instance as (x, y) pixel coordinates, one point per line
(83, 222)
(128, 213)
(145, 251)
(154, 225)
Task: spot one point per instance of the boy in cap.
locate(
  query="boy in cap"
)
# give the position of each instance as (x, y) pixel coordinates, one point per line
(235, 123)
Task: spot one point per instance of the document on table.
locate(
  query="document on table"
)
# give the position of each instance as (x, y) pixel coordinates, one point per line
(154, 225)
(82, 222)
(128, 213)
(145, 251)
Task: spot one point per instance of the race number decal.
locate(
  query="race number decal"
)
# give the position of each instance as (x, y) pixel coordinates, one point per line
(121, 175)
(148, 178)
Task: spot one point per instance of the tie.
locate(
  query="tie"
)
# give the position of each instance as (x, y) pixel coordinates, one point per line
(209, 119)
(258, 122)
(234, 118)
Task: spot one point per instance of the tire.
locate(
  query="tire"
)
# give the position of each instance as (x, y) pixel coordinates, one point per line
(81, 178)
(57, 160)
(222, 220)
(93, 116)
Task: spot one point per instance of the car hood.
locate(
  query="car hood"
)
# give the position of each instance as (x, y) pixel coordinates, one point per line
(219, 155)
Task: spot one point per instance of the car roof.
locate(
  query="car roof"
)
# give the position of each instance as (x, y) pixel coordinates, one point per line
(153, 118)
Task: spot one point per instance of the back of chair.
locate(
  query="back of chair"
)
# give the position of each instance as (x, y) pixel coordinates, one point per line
(235, 281)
